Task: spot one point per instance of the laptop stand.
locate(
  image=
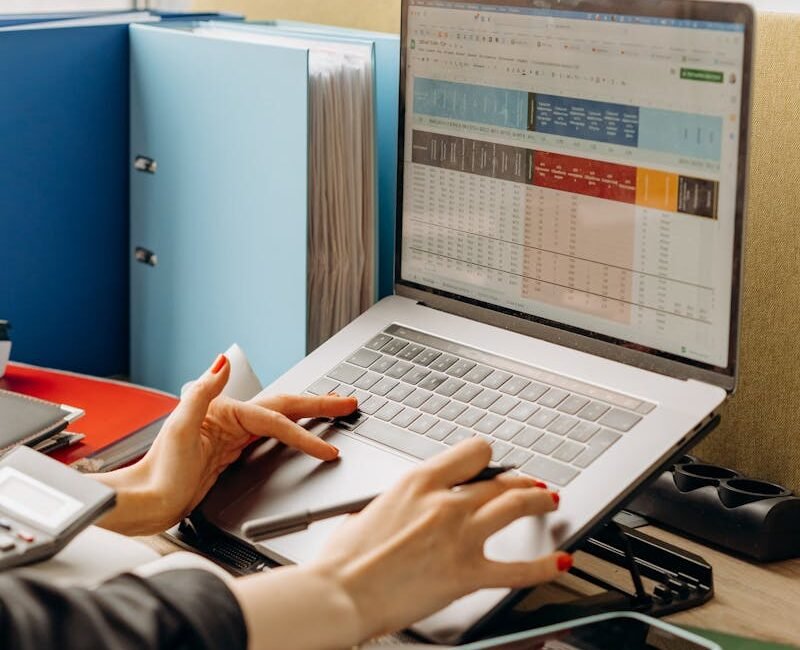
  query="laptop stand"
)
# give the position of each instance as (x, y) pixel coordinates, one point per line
(680, 580)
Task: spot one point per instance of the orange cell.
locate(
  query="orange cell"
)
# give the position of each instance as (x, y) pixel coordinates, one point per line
(655, 189)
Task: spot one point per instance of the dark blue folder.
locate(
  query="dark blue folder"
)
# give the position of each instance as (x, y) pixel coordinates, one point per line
(64, 194)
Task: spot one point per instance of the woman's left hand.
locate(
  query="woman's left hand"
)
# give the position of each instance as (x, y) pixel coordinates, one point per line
(201, 437)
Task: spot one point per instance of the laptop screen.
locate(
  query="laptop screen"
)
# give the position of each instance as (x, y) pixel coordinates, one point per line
(577, 168)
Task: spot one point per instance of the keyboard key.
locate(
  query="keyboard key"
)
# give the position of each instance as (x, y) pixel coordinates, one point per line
(592, 411)
(344, 390)
(469, 417)
(410, 351)
(394, 346)
(518, 457)
(383, 386)
(397, 438)
(352, 420)
(440, 430)
(383, 364)
(568, 451)
(553, 397)
(547, 444)
(583, 431)
(361, 395)
(488, 423)
(467, 393)
(322, 386)
(417, 398)
(562, 425)
(499, 450)
(416, 375)
(549, 470)
(427, 356)
(377, 342)
(460, 368)
(504, 405)
(527, 437)
(432, 381)
(588, 456)
(364, 358)
(514, 385)
(458, 435)
(478, 374)
(523, 411)
(388, 411)
(573, 404)
(399, 369)
(423, 423)
(496, 379)
(400, 392)
(605, 438)
(532, 392)
(434, 404)
(485, 399)
(450, 386)
(619, 419)
(346, 373)
(452, 410)
(371, 405)
(405, 417)
(507, 430)
(443, 362)
(367, 380)
(542, 418)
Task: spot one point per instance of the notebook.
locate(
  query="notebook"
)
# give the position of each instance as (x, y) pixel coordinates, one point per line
(26, 420)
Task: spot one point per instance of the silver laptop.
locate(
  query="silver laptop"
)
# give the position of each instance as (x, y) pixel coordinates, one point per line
(569, 241)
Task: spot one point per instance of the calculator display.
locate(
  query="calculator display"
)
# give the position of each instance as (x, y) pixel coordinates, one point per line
(34, 501)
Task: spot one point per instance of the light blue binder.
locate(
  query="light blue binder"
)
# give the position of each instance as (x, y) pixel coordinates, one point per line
(387, 85)
(229, 178)
(224, 125)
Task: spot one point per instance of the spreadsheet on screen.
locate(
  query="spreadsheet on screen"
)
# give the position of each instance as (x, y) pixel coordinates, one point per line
(577, 167)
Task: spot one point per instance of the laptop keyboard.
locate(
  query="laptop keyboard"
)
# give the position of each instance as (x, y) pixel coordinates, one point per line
(419, 393)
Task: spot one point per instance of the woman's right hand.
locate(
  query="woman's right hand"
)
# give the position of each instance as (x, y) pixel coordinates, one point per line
(419, 546)
(411, 552)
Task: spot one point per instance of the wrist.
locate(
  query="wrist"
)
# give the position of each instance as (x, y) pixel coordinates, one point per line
(297, 607)
(137, 509)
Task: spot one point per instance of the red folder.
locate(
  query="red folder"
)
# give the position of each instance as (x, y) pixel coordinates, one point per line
(113, 409)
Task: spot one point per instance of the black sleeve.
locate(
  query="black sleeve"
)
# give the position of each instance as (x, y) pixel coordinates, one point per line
(187, 608)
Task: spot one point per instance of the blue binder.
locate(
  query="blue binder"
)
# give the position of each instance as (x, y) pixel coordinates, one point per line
(225, 213)
(64, 192)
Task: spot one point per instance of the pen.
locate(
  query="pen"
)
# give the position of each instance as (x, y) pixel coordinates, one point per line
(257, 530)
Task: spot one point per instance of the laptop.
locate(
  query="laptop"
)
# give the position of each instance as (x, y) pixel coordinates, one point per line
(568, 268)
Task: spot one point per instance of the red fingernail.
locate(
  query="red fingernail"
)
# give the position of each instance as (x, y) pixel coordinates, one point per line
(539, 484)
(564, 562)
(219, 364)
(555, 497)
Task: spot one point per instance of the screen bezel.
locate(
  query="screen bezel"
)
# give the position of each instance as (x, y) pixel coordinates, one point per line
(562, 333)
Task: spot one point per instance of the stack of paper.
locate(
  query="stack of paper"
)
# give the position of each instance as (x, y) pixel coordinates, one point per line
(342, 177)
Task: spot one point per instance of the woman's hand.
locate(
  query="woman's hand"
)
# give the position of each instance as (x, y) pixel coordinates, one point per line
(412, 551)
(200, 438)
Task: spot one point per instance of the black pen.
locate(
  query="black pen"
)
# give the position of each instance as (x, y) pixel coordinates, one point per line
(257, 530)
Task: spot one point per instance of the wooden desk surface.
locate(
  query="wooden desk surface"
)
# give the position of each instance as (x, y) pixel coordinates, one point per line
(753, 600)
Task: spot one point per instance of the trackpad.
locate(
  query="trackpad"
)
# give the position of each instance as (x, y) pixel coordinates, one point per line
(285, 481)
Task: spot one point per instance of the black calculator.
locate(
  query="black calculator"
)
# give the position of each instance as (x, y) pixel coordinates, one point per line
(43, 505)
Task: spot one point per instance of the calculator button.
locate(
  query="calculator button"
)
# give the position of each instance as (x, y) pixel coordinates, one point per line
(7, 543)
(25, 536)
(5, 524)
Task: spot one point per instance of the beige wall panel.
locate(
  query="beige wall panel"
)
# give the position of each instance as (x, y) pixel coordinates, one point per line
(380, 15)
(760, 430)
